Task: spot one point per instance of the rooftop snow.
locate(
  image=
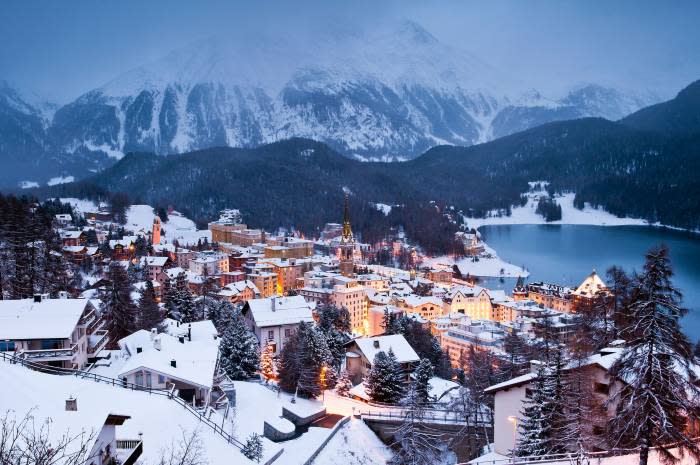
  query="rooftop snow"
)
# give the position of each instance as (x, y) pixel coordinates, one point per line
(48, 319)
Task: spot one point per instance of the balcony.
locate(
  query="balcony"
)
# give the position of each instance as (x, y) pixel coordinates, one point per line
(49, 355)
(97, 341)
(128, 451)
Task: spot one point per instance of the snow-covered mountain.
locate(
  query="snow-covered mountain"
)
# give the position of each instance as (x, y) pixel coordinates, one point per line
(381, 94)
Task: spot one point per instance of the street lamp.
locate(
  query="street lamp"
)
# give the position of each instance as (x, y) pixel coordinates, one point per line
(514, 420)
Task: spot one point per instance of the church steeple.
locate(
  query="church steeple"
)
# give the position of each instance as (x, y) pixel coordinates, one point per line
(347, 231)
(347, 245)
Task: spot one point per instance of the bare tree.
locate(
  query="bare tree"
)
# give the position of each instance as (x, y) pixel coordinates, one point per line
(28, 442)
(188, 451)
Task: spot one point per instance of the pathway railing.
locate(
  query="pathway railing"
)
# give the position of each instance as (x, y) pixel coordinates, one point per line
(8, 357)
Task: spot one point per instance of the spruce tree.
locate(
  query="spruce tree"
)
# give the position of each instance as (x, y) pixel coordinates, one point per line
(239, 353)
(343, 386)
(253, 448)
(384, 381)
(117, 308)
(532, 428)
(416, 442)
(149, 314)
(301, 361)
(421, 380)
(658, 399)
(267, 363)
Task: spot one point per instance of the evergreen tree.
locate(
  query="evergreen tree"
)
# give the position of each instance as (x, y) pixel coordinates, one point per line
(384, 381)
(302, 358)
(267, 363)
(532, 425)
(343, 386)
(253, 448)
(417, 443)
(118, 309)
(149, 314)
(516, 357)
(220, 313)
(239, 353)
(658, 398)
(420, 387)
(334, 324)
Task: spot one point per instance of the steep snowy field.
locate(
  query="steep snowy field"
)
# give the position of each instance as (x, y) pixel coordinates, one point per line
(569, 215)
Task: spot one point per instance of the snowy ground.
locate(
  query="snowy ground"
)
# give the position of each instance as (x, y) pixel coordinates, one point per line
(569, 215)
(28, 184)
(140, 218)
(60, 180)
(354, 444)
(489, 265)
(159, 419)
(178, 227)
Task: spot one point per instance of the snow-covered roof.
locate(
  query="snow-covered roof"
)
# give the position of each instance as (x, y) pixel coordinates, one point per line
(417, 301)
(234, 289)
(371, 346)
(154, 261)
(71, 234)
(590, 286)
(195, 360)
(200, 330)
(48, 319)
(275, 311)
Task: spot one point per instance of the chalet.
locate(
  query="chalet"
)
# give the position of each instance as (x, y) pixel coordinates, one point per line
(79, 253)
(154, 267)
(427, 307)
(62, 333)
(62, 219)
(361, 352)
(274, 319)
(123, 249)
(183, 358)
(72, 238)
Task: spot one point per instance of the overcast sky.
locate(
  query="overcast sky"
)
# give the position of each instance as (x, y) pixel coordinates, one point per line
(61, 49)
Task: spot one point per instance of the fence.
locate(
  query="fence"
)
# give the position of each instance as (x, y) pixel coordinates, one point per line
(7, 357)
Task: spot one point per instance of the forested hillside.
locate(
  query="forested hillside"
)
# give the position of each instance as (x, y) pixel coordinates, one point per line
(650, 174)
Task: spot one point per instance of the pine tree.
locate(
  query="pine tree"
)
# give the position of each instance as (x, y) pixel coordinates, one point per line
(118, 309)
(420, 386)
(343, 386)
(302, 358)
(187, 309)
(239, 353)
(334, 324)
(253, 448)
(149, 314)
(267, 363)
(533, 438)
(417, 443)
(384, 381)
(658, 399)
(515, 358)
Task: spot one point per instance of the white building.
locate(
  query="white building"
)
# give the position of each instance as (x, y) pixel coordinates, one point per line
(274, 319)
(61, 333)
(184, 357)
(361, 353)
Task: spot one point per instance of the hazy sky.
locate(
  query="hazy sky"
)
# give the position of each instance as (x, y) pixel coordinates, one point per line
(63, 48)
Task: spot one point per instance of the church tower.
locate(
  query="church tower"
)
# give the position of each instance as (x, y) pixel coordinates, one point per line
(155, 236)
(347, 245)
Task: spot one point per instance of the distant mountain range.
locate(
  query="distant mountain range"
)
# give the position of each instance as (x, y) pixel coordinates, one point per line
(644, 166)
(370, 95)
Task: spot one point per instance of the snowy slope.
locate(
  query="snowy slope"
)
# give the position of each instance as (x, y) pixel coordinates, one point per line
(388, 93)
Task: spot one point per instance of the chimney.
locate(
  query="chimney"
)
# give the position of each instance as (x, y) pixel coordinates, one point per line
(173, 363)
(534, 365)
(189, 331)
(71, 404)
(181, 339)
(154, 332)
(274, 304)
(156, 343)
(37, 298)
(62, 295)
(376, 343)
(139, 350)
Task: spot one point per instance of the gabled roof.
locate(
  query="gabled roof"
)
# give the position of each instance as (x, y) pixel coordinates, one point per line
(275, 311)
(590, 286)
(48, 319)
(396, 342)
(195, 360)
(154, 261)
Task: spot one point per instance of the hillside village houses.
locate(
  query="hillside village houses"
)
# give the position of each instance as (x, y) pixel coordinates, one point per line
(275, 282)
